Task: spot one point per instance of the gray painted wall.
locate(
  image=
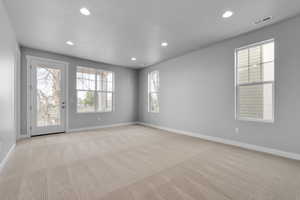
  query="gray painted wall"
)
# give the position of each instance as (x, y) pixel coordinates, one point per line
(126, 88)
(8, 48)
(197, 91)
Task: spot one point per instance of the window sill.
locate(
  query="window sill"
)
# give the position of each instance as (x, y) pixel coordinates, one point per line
(256, 120)
(93, 112)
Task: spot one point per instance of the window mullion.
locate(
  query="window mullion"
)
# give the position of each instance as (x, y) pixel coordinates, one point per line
(96, 93)
(261, 61)
(248, 65)
(150, 102)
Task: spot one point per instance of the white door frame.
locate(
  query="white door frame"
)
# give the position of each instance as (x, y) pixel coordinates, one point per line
(30, 59)
(17, 87)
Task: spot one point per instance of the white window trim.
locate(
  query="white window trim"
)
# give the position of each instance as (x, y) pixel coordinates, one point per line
(149, 92)
(96, 91)
(236, 85)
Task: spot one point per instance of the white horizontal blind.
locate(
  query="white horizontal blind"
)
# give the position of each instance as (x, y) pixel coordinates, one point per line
(153, 92)
(95, 90)
(255, 82)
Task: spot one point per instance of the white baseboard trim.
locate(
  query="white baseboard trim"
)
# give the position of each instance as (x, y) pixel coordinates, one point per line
(5, 159)
(21, 137)
(100, 127)
(275, 152)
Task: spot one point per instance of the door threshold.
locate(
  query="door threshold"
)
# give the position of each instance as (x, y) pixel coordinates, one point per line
(48, 134)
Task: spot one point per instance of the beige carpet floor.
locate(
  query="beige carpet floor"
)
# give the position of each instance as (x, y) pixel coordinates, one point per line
(140, 163)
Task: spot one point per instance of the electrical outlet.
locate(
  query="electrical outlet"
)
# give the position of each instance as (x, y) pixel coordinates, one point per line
(237, 130)
(99, 119)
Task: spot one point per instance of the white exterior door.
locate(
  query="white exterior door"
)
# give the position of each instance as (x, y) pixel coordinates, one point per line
(47, 96)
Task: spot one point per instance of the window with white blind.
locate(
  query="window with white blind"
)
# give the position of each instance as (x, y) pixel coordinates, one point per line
(153, 91)
(95, 90)
(255, 82)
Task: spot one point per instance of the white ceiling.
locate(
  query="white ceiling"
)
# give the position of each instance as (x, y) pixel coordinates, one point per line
(117, 30)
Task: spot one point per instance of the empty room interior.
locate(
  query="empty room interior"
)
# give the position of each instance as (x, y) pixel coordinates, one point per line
(149, 100)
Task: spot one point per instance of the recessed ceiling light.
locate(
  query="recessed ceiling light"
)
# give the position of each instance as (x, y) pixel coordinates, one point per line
(70, 43)
(164, 44)
(133, 59)
(227, 14)
(85, 11)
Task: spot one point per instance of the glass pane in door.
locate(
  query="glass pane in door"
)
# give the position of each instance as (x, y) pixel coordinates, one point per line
(48, 94)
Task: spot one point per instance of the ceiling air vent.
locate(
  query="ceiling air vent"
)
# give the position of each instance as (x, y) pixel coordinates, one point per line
(263, 20)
